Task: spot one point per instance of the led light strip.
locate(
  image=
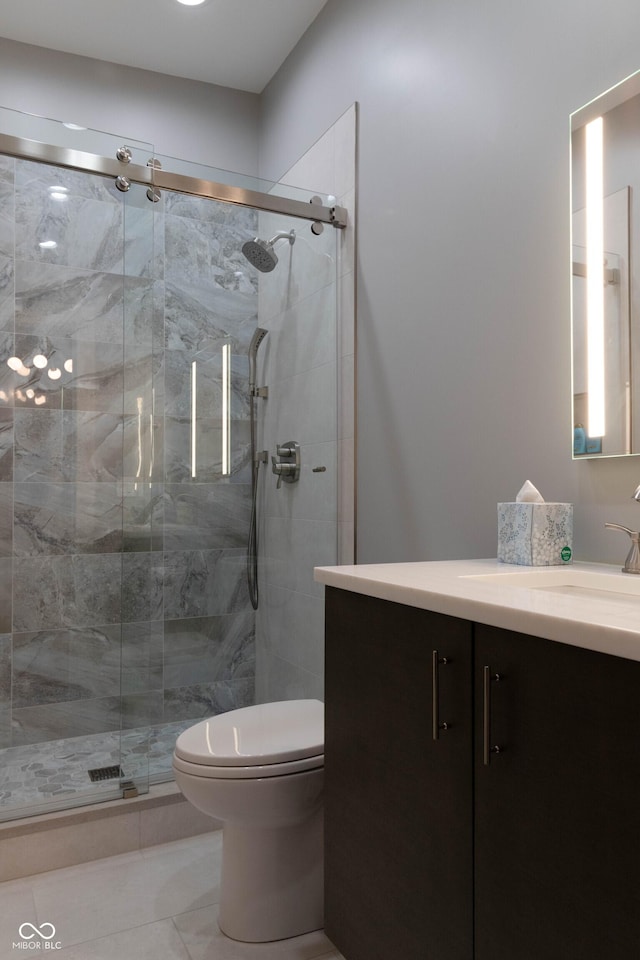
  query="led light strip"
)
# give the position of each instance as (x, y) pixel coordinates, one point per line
(595, 279)
(226, 409)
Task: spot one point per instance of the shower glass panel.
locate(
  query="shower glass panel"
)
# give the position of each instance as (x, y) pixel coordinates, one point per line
(125, 466)
(221, 654)
(79, 511)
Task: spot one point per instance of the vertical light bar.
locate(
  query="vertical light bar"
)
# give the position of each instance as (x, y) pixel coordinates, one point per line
(152, 446)
(595, 279)
(226, 409)
(194, 410)
(139, 470)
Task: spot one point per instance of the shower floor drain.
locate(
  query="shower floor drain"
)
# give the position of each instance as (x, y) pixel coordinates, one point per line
(105, 773)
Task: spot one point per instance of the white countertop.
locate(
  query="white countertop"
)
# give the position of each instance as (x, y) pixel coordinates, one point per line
(594, 619)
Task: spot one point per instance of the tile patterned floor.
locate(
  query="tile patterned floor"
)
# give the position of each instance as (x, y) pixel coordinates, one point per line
(39, 776)
(158, 904)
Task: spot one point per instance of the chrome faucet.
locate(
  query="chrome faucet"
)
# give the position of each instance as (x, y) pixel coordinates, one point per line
(632, 563)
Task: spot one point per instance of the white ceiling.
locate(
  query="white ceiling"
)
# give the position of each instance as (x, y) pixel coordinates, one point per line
(235, 43)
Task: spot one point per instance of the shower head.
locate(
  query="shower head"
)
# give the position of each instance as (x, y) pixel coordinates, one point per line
(258, 336)
(260, 253)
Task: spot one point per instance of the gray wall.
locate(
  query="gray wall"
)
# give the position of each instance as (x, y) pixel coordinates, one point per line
(463, 250)
(181, 118)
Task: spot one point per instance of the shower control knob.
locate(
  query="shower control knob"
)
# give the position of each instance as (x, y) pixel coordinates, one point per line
(286, 463)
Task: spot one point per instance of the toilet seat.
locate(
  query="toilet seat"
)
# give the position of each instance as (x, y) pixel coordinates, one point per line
(247, 773)
(264, 740)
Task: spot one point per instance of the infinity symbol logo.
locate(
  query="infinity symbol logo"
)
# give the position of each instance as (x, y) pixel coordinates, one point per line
(37, 931)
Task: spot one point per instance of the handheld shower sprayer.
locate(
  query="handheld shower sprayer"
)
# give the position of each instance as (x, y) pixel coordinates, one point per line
(258, 336)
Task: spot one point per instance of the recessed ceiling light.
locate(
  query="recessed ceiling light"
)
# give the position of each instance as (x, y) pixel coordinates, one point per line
(48, 244)
(192, 3)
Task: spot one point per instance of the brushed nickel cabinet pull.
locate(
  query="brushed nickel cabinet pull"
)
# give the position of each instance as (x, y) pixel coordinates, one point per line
(486, 714)
(435, 689)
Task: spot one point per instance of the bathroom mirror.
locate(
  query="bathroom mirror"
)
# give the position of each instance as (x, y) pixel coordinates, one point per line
(605, 226)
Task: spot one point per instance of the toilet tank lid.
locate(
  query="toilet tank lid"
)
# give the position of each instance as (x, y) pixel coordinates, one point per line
(264, 733)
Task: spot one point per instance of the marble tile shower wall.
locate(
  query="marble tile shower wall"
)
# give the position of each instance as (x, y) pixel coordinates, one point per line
(122, 594)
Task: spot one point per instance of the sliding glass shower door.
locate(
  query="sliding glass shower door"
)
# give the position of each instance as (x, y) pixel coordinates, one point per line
(126, 318)
(78, 500)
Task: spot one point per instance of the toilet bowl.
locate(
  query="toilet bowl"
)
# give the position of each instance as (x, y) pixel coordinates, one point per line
(260, 770)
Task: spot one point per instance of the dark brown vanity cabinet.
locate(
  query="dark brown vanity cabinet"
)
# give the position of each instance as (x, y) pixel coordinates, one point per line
(557, 810)
(398, 854)
(439, 846)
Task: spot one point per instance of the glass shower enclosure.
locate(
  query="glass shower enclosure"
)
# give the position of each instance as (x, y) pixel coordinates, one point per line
(126, 312)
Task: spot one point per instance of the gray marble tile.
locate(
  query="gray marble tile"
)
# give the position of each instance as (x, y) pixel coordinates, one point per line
(198, 208)
(37, 772)
(7, 205)
(204, 516)
(31, 773)
(6, 519)
(204, 583)
(6, 594)
(6, 444)
(177, 447)
(87, 233)
(207, 699)
(39, 446)
(94, 382)
(5, 690)
(53, 518)
(179, 378)
(143, 256)
(80, 445)
(142, 647)
(58, 301)
(7, 291)
(9, 380)
(140, 370)
(207, 649)
(59, 665)
(199, 314)
(142, 579)
(142, 709)
(73, 718)
(142, 516)
(207, 250)
(65, 591)
(36, 180)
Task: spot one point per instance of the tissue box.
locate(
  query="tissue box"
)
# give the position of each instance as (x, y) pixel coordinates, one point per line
(535, 534)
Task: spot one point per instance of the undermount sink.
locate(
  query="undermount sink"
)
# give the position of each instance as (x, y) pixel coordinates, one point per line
(567, 580)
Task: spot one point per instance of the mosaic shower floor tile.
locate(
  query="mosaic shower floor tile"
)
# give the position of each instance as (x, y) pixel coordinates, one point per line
(46, 776)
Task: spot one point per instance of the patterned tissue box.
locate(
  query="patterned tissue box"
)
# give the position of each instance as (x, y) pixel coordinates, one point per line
(535, 534)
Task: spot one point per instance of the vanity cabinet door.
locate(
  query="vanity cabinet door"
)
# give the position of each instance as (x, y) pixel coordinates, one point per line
(557, 821)
(398, 803)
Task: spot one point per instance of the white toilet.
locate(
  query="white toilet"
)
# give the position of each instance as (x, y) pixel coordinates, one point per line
(260, 770)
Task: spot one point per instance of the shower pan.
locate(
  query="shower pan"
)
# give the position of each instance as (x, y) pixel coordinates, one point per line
(130, 322)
